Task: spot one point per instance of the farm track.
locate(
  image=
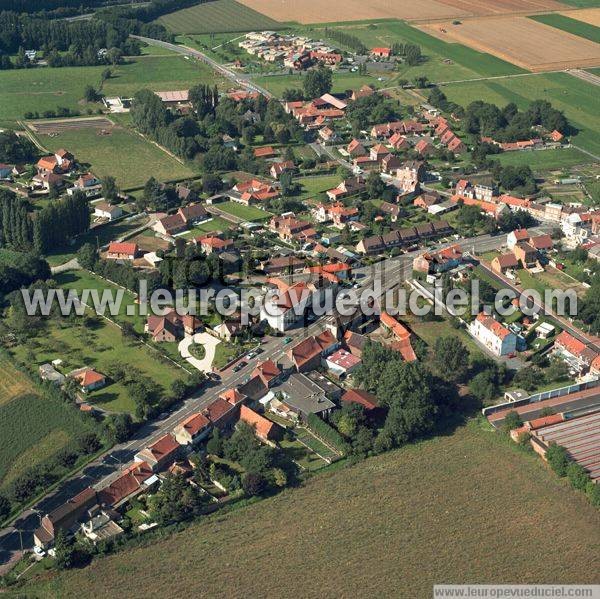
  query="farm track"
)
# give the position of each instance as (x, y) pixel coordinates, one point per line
(585, 76)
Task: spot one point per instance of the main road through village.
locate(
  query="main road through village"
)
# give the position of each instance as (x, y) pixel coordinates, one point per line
(100, 472)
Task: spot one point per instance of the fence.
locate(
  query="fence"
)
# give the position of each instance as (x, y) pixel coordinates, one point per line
(541, 396)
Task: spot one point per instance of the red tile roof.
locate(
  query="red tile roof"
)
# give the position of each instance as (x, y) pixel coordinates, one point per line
(262, 426)
(129, 249)
(311, 347)
(493, 325)
(570, 343)
(163, 447)
(267, 370)
(364, 398)
(232, 396)
(89, 377)
(195, 423)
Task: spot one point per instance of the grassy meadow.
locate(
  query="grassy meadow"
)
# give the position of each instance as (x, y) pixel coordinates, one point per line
(463, 508)
(545, 159)
(578, 99)
(40, 89)
(98, 344)
(215, 17)
(249, 213)
(124, 154)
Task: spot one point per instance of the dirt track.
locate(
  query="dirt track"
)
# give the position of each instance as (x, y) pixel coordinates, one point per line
(521, 41)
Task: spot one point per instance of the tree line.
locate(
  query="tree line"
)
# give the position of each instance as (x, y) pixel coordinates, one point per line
(346, 39)
(49, 228)
(199, 135)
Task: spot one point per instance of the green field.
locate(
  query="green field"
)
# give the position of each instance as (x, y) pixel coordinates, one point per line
(40, 89)
(569, 25)
(583, 3)
(249, 213)
(462, 508)
(98, 346)
(124, 154)
(578, 99)
(464, 62)
(209, 226)
(32, 428)
(314, 186)
(98, 237)
(544, 159)
(216, 17)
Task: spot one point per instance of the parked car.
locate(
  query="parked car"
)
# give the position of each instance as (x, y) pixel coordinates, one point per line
(287, 340)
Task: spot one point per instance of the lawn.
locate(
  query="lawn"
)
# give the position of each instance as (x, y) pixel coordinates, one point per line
(463, 508)
(578, 99)
(84, 279)
(248, 213)
(13, 383)
(99, 345)
(544, 159)
(215, 17)
(209, 226)
(124, 154)
(315, 186)
(40, 89)
(573, 26)
(99, 236)
(307, 459)
(225, 352)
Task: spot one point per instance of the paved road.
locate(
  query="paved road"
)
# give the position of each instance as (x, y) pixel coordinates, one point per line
(238, 78)
(393, 272)
(562, 321)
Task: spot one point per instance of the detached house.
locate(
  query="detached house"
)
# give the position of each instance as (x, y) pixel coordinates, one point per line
(355, 149)
(266, 430)
(348, 187)
(88, 378)
(278, 168)
(493, 335)
(286, 305)
(122, 251)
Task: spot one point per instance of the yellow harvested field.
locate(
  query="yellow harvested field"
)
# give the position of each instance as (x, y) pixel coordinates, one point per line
(314, 11)
(13, 383)
(522, 41)
(587, 15)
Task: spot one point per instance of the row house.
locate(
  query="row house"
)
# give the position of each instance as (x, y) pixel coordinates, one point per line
(578, 355)
(307, 354)
(356, 149)
(401, 238)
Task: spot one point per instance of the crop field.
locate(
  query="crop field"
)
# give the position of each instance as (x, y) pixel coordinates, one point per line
(33, 429)
(216, 17)
(119, 152)
(521, 41)
(313, 11)
(544, 160)
(99, 345)
(590, 15)
(571, 25)
(13, 382)
(430, 526)
(445, 59)
(40, 89)
(578, 99)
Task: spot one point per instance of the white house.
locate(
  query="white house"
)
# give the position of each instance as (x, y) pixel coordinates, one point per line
(493, 335)
(342, 362)
(515, 237)
(104, 210)
(283, 307)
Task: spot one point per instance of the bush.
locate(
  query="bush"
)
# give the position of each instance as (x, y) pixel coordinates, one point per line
(592, 490)
(578, 476)
(558, 459)
(326, 433)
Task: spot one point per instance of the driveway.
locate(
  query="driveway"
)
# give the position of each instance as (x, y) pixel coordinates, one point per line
(208, 341)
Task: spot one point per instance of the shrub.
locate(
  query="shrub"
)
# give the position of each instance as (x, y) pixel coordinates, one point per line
(578, 476)
(558, 459)
(326, 433)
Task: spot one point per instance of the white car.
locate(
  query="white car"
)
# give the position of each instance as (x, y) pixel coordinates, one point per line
(39, 551)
